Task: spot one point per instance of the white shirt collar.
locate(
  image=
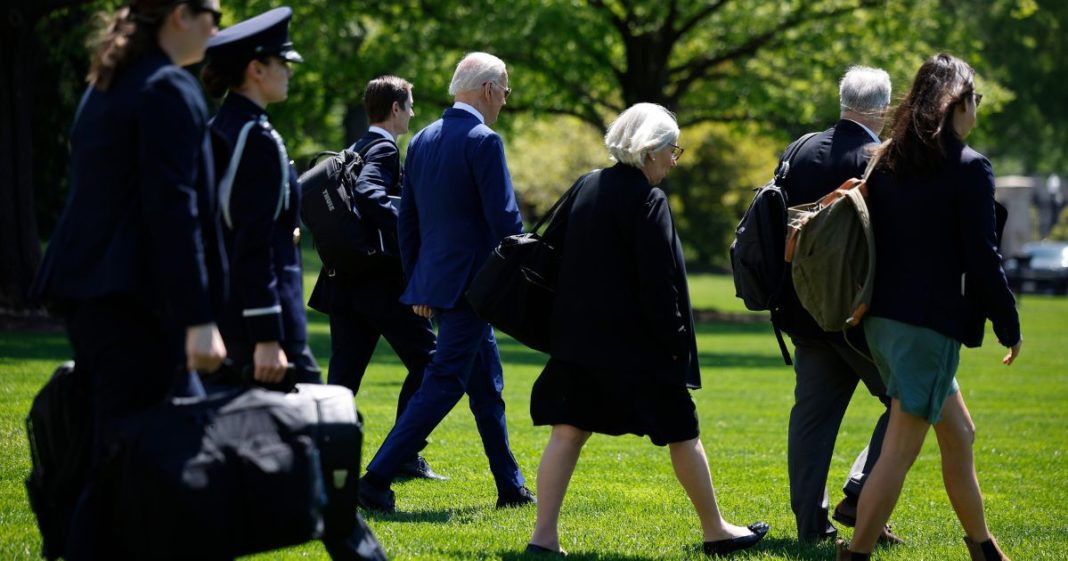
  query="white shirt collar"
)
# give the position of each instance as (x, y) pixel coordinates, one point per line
(470, 109)
(870, 132)
(382, 132)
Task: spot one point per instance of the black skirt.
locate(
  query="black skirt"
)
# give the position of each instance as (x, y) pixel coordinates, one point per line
(612, 402)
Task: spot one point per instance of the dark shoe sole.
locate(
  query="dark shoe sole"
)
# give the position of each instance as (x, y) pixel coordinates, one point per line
(543, 551)
(723, 547)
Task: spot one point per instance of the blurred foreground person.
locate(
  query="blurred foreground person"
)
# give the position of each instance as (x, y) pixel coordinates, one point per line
(136, 265)
(623, 352)
(938, 278)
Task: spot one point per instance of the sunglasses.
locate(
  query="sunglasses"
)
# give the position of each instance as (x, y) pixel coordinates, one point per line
(216, 15)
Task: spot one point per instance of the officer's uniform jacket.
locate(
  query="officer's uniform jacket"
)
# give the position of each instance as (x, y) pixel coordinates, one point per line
(259, 198)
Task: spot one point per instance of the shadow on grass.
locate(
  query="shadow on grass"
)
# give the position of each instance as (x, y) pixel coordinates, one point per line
(432, 516)
(34, 345)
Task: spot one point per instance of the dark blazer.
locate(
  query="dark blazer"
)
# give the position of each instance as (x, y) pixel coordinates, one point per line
(261, 210)
(379, 179)
(622, 299)
(457, 204)
(141, 218)
(819, 167)
(934, 237)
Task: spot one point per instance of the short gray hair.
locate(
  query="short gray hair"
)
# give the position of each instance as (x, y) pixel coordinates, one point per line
(864, 90)
(639, 131)
(474, 70)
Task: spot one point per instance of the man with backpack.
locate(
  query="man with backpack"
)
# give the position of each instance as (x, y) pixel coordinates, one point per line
(366, 307)
(828, 365)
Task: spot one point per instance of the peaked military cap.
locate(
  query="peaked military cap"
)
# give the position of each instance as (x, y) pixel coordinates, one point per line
(264, 35)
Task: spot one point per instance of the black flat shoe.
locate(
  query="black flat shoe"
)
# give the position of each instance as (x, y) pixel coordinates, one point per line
(544, 551)
(723, 547)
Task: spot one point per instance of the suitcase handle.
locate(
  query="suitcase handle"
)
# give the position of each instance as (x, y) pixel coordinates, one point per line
(228, 375)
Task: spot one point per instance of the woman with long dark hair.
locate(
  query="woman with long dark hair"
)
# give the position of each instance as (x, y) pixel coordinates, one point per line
(938, 278)
(135, 264)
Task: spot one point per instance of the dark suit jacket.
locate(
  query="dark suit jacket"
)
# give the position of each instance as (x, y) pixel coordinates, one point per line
(457, 204)
(378, 180)
(819, 167)
(933, 237)
(141, 218)
(622, 298)
(262, 210)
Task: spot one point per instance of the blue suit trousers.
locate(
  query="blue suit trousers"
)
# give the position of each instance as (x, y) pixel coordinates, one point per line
(466, 361)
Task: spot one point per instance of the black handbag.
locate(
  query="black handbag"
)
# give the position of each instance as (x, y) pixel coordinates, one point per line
(516, 287)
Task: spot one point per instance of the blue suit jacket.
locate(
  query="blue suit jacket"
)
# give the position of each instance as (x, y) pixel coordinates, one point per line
(141, 219)
(262, 211)
(457, 203)
(937, 263)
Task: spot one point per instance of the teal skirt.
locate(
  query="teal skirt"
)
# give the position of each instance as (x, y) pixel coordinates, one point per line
(917, 364)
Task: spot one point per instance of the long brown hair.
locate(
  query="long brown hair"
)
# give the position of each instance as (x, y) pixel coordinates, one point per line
(923, 123)
(123, 36)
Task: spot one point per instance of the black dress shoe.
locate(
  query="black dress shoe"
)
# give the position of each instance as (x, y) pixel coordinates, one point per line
(544, 551)
(723, 547)
(519, 497)
(846, 514)
(376, 498)
(418, 468)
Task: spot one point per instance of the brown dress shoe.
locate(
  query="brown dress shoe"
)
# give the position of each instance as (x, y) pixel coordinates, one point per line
(842, 553)
(985, 551)
(846, 514)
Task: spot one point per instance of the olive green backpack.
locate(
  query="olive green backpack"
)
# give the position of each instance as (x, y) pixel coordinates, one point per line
(832, 248)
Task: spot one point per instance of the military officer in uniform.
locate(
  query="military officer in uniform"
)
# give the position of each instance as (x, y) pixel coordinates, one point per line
(264, 323)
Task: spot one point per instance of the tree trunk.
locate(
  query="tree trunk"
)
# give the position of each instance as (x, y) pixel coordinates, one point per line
(20, 250)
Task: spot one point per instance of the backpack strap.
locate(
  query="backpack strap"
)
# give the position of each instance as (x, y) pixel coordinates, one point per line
(782, 344)
(787, 158)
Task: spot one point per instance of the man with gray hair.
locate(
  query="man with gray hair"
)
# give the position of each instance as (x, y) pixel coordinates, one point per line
(826, 365)
(456, 205)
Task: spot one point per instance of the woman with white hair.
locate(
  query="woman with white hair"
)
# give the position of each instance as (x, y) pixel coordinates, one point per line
(623, 355)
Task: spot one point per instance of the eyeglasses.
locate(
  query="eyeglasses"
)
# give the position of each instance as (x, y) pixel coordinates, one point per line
(507, 91)
(676, 152)
(976, 97)
(198, 8)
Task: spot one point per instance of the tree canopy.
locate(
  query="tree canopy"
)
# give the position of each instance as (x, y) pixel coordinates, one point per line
(761, 72)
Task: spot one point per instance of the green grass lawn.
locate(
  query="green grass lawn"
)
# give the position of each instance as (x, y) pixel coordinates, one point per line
(624, 501)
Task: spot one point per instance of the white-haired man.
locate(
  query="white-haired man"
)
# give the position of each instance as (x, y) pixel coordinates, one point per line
(456, 204)
(826, 366)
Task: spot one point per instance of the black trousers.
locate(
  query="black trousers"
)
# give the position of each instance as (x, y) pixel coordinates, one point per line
(354, 333)
(133, 363)
(827, 372)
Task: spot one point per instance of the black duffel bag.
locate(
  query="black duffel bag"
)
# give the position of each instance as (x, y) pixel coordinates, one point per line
(516, 287)
(218, 477)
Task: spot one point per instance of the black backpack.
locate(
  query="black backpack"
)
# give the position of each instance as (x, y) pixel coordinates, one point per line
(60, 429)
(758, 251)
(345, 242)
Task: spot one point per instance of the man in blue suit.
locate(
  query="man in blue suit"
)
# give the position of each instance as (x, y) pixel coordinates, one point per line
(456, 204)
